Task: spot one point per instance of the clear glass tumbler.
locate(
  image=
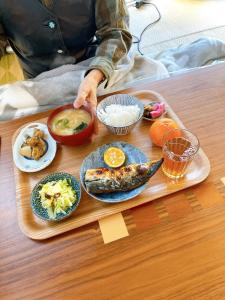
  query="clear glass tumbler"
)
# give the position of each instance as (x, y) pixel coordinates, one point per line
(179, 149)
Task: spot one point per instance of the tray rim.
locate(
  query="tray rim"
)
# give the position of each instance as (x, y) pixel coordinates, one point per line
(139, 94)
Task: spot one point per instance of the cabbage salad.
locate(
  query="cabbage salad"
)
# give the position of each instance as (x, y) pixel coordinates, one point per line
(57, 197)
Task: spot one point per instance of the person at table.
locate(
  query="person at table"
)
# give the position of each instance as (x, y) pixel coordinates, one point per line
(46, 34)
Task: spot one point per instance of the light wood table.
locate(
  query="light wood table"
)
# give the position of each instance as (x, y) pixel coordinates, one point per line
(176, 244)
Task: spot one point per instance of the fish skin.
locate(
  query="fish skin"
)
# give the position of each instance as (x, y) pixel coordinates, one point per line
(104, 180)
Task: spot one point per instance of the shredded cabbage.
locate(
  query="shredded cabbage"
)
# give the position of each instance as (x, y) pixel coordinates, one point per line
(57, 197)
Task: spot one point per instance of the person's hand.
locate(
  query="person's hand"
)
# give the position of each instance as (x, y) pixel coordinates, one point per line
(87, 92)
(88, 89)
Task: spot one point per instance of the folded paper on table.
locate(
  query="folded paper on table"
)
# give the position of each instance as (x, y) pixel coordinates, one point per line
(113, 228)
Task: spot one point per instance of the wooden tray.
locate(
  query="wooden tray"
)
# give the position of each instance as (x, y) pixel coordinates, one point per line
(69, 160)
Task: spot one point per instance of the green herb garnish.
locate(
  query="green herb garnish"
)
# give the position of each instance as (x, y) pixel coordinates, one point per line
(62, 123)
(80, 127)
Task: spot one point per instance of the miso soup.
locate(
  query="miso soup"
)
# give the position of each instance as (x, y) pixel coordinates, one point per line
(70, 121)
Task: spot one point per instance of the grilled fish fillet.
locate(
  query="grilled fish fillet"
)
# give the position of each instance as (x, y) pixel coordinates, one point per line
(126, 178)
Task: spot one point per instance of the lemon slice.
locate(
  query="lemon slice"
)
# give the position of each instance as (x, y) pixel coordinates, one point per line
(114, 157)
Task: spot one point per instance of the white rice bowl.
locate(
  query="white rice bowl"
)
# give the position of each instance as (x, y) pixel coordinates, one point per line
(118, 115)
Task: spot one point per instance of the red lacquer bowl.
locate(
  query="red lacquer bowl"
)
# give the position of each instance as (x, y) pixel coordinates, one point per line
(75, 139)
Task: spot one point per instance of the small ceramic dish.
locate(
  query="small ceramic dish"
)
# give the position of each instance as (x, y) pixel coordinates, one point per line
(42, 212)
(123, 100)
(26, 164)
(154, 110)
(154, 104)
(96, 160)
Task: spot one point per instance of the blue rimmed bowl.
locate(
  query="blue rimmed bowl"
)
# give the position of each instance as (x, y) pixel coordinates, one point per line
(124, 100)
(42, 212)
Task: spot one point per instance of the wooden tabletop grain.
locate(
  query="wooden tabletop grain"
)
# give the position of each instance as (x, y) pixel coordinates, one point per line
(176, 246)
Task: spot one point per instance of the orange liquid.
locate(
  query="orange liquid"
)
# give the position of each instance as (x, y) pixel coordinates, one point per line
(178, 154)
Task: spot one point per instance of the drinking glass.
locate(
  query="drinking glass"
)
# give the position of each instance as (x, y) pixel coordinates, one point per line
(179, 149)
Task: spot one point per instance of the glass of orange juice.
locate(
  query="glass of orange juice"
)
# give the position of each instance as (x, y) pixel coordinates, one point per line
(179, 149)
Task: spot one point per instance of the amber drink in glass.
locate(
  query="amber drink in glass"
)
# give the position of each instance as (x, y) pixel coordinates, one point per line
(179, 149)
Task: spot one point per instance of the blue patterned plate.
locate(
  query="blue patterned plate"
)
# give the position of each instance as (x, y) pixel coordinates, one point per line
(38, 209)
(95, 160)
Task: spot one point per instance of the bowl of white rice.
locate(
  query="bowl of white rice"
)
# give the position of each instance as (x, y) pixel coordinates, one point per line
(120, 113)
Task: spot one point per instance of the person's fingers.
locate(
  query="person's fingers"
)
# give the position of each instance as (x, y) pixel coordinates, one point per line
(96, 128)
(80, 100)
(94, 105)
(93, 101)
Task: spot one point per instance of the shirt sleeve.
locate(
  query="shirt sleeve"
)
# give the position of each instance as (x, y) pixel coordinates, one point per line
(114, 39)
(3, 42)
